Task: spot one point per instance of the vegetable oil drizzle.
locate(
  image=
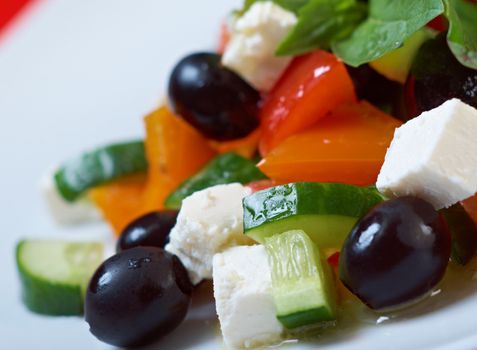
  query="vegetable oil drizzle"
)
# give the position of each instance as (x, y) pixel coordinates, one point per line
(459, 282)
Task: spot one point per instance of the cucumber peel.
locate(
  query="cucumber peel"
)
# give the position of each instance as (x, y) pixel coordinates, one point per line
(101, 165)
(224, 169)
(325, 211)
(302, 282)
(54, 274)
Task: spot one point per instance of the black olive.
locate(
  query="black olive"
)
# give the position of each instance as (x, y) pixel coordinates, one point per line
(151, 229)
(137, 296)
(375, 88)
(436, 76)
(396, 253)
(212, 98)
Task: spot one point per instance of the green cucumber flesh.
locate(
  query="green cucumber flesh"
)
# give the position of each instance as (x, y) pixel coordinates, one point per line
(329, 230)
(224, 169)
(54, 274)
(302, 282)
(101, 165)
(463, 233)
(325, 211)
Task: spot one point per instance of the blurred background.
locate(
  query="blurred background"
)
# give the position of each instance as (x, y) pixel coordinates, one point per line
(74, 75)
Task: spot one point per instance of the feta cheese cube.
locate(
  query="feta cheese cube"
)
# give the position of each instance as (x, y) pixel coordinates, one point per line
(434, 156)
(243, 297)
(255, 37)
(209, 222)
(64, 212)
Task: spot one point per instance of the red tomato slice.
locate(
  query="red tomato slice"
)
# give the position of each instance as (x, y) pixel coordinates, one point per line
(311, 87)
(439, 23)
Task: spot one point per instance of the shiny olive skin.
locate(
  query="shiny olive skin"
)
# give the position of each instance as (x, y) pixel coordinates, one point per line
(151, 229)
(212, 98)
(137, 296)
(396, 253)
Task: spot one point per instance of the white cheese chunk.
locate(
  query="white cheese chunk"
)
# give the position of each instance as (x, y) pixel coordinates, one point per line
(243, 297)
(64, 212)
(209, 222)
(254, 39)
(434, 156)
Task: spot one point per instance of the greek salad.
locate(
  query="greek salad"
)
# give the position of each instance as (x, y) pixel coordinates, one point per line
(322, 160)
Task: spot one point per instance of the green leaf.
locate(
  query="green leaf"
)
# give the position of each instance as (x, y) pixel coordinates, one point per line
(290, 5)
(320, 22)
(389, 23)
(462, 34)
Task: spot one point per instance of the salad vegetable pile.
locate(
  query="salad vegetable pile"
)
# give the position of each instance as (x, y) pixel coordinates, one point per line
(324, 156)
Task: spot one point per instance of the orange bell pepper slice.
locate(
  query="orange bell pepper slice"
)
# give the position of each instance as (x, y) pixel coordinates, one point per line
(347, 146)
(120, 201)
(311, 87)
(246, 147)
(175, 151)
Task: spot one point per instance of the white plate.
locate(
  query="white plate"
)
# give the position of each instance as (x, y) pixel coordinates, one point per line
(75, 74)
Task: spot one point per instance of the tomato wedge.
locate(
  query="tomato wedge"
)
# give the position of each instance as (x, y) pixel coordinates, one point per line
(347, 146)
(311, 87)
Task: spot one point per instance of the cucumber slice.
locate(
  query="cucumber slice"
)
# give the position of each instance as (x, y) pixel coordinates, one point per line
(325, 211)
(103, 164)
(302, 282)
(463, 232)
(54, 274)
(224, 169)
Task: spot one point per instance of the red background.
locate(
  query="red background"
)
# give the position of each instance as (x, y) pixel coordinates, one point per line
(9, 9)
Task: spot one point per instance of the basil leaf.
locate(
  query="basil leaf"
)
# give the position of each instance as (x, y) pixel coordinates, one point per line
(389, 23)
(462, 34)
(320, 22)
(290, 5)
